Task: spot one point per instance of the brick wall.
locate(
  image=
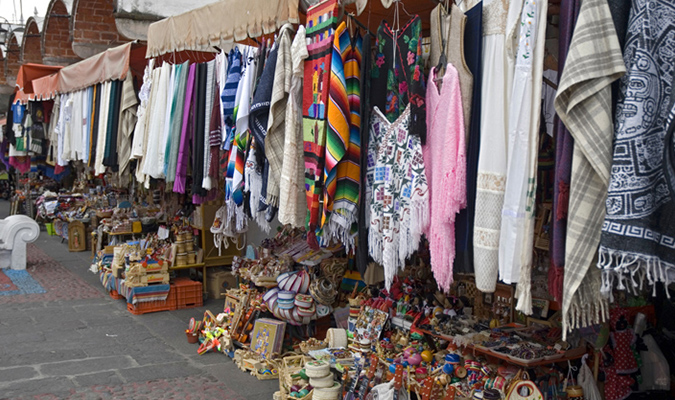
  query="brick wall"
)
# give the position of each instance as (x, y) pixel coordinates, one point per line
(12, 60)
(57, 45)
(93, 27)
(3, 79)
(30, 48)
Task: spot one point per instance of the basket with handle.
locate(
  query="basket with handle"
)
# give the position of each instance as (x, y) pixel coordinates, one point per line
(288, 365)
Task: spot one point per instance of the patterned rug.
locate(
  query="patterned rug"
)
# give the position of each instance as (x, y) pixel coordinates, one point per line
(43, 280)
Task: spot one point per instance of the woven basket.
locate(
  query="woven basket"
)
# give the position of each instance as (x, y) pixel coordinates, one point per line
(289, 365)
(305, 348)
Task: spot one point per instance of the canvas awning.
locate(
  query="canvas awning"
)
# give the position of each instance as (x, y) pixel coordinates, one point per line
(109, 65)
(46, 88)
(219, 23)
(26, 89)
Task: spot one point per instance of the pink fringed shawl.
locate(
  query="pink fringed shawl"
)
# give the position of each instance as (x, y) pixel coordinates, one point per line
(445, 162)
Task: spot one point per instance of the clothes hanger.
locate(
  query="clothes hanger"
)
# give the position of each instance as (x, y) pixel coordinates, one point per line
(439, 70)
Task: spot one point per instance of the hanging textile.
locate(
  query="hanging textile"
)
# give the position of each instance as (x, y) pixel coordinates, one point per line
(51, 131)
(450, 27)
(398, 74)
(343, 222)
(343, 141)
(517, 230)
(177, 108)
(445, 165)
(337, 132)
(137, 150)
(275, 138)
(215, 139)
(473, 55)
(292, 200)
(321, 21)
(259, 118)
(127, 122)
(399, 205)
(207, 182)
(569, 11)
(228, 96)
(87, 106)
(93, 132)
(110, 158)
(37, 131)
(101, 141)
(638, 234)
(492, 154)
(364, 201)
(583, 103)
(182, 161)
(153, 163)
(198, 145)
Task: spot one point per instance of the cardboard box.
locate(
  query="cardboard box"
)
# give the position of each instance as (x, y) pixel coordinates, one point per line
(218, 282)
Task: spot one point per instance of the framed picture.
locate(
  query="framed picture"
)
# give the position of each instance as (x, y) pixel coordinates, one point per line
(370, 324)
(540, 308)
(488, 298)
(267, 337)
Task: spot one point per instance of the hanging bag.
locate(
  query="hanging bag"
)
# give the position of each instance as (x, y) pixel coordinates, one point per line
(524, 389)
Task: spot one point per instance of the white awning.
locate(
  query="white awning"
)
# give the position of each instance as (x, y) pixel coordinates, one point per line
(219, 23)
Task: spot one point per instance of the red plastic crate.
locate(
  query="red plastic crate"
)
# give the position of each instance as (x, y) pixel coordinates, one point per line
(151, 306)
(188, 293)
(115, 295)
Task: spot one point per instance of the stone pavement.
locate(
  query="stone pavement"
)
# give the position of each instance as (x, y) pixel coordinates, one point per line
(72, 341)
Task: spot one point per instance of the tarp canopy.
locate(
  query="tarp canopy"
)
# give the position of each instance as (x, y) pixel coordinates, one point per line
(25, 81)
(109, 65)
(46, 88)
(219, 23)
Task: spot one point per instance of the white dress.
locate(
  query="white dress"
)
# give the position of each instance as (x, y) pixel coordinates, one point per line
(517, 231)
(492, 157)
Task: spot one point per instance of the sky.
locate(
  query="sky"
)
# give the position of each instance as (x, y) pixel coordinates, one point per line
(8, 7)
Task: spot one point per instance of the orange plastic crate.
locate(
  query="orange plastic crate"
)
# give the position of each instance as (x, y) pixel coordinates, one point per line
(115, 295)
(188, 293)
(151, 306)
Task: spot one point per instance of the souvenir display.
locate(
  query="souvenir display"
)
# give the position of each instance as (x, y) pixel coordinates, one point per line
(456, 202)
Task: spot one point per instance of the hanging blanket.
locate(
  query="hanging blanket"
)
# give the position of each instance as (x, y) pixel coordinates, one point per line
(343, 140)
(321, 20)
(583, 103)
(638, 235)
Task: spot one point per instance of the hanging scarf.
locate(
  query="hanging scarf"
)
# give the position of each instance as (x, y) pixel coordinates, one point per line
(399, 205)
(583, 103)
(93, 134)
(110, 158)
(176, 122)
(259, 118)
(254, 181)
(638, 235)
(186, 134)
(569, 11)
(321, 20)
(207, 183)
(445, 160)
(229, 95)
(292, 200)
(126, 125)
(99, 168)
(199, 110)
(274, 141)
